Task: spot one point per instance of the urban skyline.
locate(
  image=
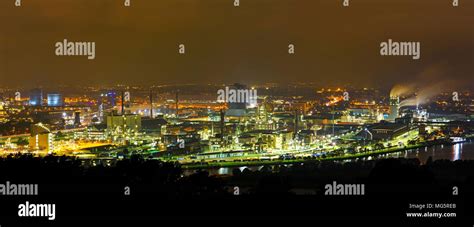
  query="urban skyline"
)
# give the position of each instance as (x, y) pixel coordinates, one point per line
(350, 110)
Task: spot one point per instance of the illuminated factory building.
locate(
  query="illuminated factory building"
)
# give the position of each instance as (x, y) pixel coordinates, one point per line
(55, 99)
(3, 112)
(36, 97)
(41, 138)
(122, 123)
(394, 106)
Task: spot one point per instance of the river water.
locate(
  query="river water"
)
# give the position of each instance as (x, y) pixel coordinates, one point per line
(459, 151)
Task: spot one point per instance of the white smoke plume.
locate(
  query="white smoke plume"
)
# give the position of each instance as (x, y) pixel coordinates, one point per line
(431, 82)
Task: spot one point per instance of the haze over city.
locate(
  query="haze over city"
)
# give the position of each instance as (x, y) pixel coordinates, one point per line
(350, 110)
(139, 45)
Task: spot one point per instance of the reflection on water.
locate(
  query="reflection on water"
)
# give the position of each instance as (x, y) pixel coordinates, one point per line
(460, 151)
(224, 171)
(457, 149)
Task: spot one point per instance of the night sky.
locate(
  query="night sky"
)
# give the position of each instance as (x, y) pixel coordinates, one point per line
(246, 44)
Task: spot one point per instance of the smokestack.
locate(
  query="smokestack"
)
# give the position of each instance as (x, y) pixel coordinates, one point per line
(77, 118)
(123, 102)
(296, 124)
(151, 103)
(394, 106)
(177, 102)
(222, 123)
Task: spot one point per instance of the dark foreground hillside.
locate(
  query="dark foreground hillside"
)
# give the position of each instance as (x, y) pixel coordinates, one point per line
(148, 188)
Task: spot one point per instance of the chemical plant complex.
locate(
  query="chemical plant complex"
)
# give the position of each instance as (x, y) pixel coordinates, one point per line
(190, 125)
